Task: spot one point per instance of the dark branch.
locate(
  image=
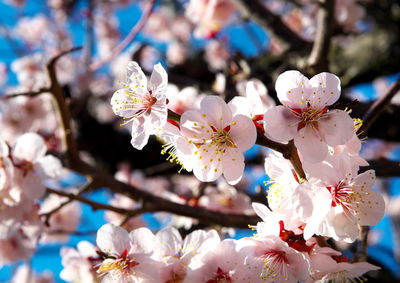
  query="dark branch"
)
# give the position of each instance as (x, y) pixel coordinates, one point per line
(378, 107)
(318, 61)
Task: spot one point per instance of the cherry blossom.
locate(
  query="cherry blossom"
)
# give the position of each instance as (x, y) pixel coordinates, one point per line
(271, 260)
(209, 15)
(33, 165)
(79, 264)
(128, 257)
(305, 115)
(217, 139)
(341, 199)
(178, 253)
(142, 103)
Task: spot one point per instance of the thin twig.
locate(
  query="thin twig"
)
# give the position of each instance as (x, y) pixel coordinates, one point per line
(93, 204)
(318, 60)
(135, 213)
(377, 108)
(28, 93)
(128, 39)
(81, 190)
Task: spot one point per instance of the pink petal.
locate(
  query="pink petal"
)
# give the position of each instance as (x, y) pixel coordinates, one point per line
(280, 124)
(217, 111)
(293, 89)
(158, 82)
(233, 166)
(310, 145)
(112, 239)
(336, 127)
(194, 126)
(142, 240)
(371, 209)
(29, 147)
(136, 78)
(327, 89)
(140, 134)
(243, 132)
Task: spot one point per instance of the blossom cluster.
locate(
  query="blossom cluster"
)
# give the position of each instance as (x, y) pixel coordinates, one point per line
(332, 199)
(274, 254)
(24, 168)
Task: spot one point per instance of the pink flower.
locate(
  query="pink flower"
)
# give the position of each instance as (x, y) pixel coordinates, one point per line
(340, 199)
(79, 263)
(225, 199)
(305, 116)
(178, 254)
(127, 256)
(272, 260)
(142, 103)
(210, 16)
(222, 264)
(347, 272)
(33, 165)
(216, 140)
(15, 247)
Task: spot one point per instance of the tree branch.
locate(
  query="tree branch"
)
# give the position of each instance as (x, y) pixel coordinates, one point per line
(260, 14)
(48, 214)
(63, 112)
(318, 60)
(377, 108)
(93, 204)
(28, 93)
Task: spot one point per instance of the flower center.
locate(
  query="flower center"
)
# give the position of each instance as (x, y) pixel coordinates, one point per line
(308, 115)
(123, 264)
(220, 277)
(222, 138)
(342, 194)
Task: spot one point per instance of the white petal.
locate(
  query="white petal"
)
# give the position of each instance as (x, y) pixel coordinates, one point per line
(194, 126)
(140, 133)
(29, 147)
(240, 105)
(170, 241)
(158, 82)
(262, 211)
(142, 240)
(233, 166)
(243, 132)
(137, 80)
(310, 145)
(4, 151)
(327, 89)
(280, 124)
(122, 102)
(50, 166)
(256, 104)
(112, 239)
(216, 110)
(293, 88)
(209, 167)
(371, 209)
(336, 127)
